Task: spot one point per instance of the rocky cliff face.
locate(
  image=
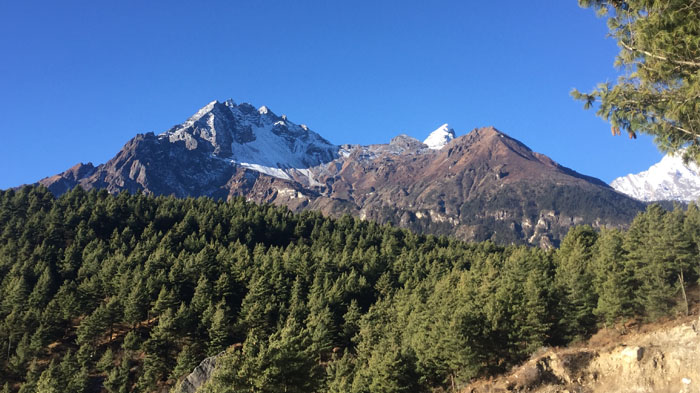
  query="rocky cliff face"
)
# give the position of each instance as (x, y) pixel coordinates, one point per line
(666, 359)
(479, 186)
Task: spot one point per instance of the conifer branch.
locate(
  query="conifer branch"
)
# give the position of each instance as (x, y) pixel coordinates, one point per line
(659, 57)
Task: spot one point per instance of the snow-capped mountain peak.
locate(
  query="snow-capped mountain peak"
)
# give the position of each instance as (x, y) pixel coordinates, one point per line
(252, 137)
(440, 137)
(669, 179)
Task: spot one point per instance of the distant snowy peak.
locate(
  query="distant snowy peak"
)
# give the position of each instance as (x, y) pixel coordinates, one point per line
(440, 137)
(669, 179)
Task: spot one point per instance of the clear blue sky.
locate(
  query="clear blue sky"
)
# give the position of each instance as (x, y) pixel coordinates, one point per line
(78, 79)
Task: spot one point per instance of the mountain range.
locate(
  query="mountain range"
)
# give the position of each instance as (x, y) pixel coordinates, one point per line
(478, 186)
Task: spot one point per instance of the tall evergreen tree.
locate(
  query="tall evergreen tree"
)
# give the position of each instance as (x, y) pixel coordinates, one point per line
(612, 278)
(574, 281)
(660, 54)
(645, 245)
(219, 329)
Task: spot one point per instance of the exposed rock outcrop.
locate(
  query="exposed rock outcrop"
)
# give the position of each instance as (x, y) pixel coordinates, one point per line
(664, 360)
(198, 376)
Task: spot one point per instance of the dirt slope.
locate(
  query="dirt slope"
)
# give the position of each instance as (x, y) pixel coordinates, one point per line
(664, 359)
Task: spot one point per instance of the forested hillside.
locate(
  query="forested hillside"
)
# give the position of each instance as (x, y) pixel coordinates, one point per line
(121, 293)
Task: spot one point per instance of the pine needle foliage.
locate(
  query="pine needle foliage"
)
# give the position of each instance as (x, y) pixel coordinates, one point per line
(659, 91)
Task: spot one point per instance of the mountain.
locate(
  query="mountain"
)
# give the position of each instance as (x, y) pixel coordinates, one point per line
(669, 179)
(479, 186)
(440, 137)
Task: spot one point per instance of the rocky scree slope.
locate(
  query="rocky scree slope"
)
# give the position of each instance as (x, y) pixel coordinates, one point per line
(479, 186)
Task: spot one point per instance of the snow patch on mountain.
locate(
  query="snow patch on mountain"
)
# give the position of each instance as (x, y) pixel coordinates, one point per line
(254, 138)
(440, 137)
(268, 170)
(669, 179)
(206, 109)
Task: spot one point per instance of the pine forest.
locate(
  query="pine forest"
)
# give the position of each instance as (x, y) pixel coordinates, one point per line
(130, 292)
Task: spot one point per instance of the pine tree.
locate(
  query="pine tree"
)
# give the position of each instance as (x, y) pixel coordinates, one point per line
(259, 307)
(340, 374)
(93, 327)
(392, 369)
(50, 380)
(660, 53)
(131, 341)
(612, 279)
(680, 252)
(322, 331)
(574, 281)
(219, 332)
(279, 363)
(166, 300)
(185, 363)
(117, 380)
(22, 355)
(692, 228)
(292, 365)
(32, 377)
(202, 295)
(106, 361)
(159, 352)
(646, 249)
(136, 304)
(75, 377)
(351, 324)
(43, 289)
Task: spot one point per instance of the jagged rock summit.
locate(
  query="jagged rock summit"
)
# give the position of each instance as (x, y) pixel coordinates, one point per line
(669, 179)
(253, 138)
(478, 186)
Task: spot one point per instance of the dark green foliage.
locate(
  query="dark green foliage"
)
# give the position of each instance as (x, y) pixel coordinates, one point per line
(281, 363)
(186, 362)
(660, 54)
(692, 229)
(574, 282)
(130, 292)
(660, 251)
(612, 278)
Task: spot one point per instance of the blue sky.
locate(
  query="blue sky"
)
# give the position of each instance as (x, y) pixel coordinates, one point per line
(78, 79)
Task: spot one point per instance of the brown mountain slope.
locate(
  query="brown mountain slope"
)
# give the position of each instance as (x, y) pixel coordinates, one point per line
(483, 185)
